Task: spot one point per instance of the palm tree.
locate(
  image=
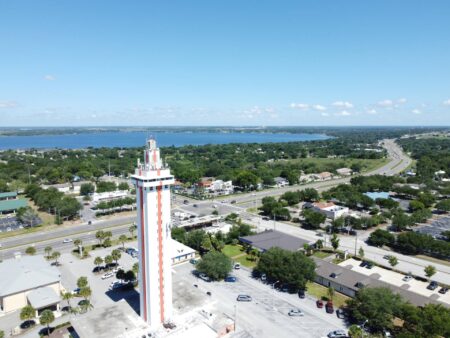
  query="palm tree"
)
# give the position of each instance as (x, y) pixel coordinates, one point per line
(55, 256)
(123, 239)
(82, 282)
(98, 261)
(67, 296)
(47, 251)
(330, 293)
(132, 229)
(135, 268)
(393, 261)
(27, 313)
(361, 252)
(31, 250)
(108, 261)
(335, 242)
(115, 254)
(47, 317)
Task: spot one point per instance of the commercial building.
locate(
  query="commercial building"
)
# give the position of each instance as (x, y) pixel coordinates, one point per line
(108, 196)
(29, 280)
(180, 252)
(344, 171)
(152, 181)
(349, 282)
(220, 187)
(67, 188)
(281, 182)
(272, 238)
(9, 203)
(329, 209)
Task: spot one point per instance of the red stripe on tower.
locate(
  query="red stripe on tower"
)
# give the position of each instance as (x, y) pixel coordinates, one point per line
(160, 247)
(143, 252)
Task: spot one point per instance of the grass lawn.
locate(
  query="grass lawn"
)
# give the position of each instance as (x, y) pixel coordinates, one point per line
(232, 250)
(322, 254)
(319, 291)
(245, 262)
(366, 164)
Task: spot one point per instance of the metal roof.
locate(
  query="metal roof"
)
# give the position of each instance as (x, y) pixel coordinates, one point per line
(9, 205)
(26, 273)
(272, 238)
(43, 297)
(8, 194)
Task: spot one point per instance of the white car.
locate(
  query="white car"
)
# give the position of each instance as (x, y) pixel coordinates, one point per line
(67, 240)
(407, 278)
(108, 275)
(337, 334)
(115, 285)
(296, 313)
(117, 269)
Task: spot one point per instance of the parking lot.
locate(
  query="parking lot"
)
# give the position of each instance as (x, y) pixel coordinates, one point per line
(395, 278)
(267, 314)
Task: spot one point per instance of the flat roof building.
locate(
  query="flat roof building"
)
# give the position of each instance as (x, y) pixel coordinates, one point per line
(272, 238)
(29, 280)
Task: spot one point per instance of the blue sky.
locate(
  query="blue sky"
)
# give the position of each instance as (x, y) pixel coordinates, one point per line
(233, 62)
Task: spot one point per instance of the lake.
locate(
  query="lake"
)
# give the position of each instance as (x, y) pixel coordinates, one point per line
(137, 139)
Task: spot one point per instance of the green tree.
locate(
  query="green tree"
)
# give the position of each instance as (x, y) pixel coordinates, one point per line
(48, 250)
(108, 261)
(98, 261)
(31, 250)
(375, 306)
(361, 252)
(416, 205)
(393, 261)
(194, 239)
(135, 268)
(100, 235)
(86, 189)
(82, 282)
(123, 186)
(443, 206)
(319, 244)
(312, 218)
(293, 268)
(330, 293)
(179, 234)
(55, 256)
(2, 334)
(115, 254)
(86, 293)
(123, 239)
(215, 264)
(355, 331)
(380, 238)
(246, 180)
(27, 313)
(335, 242)
(429, 270)
(47, 317)
(132, 229)
(67, 296)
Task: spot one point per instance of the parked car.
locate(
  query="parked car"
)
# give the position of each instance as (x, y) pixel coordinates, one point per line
(329, 307)
(296, 313)
(98, 269)
(443, 290)
(244, 298)
(75, 291)
(263, 277)
(231, 279)
(301, 293)
(193, 261)
(319, 304)
(407, 278)
(186, 202)
(204, 277)
(67, 240)
(369, 265)
(337, 334)
(340, 313)
(108, 275)
(363, 264)
(433, 285)
(237, 266)
(387, 256)
(208, 293)
(195, 205)
(233, 202)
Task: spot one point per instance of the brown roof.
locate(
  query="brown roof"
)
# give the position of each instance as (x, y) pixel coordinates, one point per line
(323, 205)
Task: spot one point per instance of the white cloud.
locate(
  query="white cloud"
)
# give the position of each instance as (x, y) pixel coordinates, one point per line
(416, 111)
(343, 113)
(301, 106)
(8, 104)
(343, 104)
(325, 114)
(446, 102)
(372, 112)
(385, 103)
(49, 77)
(318, 107)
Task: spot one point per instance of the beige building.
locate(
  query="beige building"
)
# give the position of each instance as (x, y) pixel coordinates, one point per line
(29, 280)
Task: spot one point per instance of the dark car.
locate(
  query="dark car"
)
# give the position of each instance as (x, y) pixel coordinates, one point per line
(363, 264)
(443, 290)
(98, 269)
(340, 313)
(369, 265)
(319, 304)
(230, 279)
(27, 324)
(233, 202)
(195, 205)
(329, 307)
(301, 294)
(432, 286)
(186, 202)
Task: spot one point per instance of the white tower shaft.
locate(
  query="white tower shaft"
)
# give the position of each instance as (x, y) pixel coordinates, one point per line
(152, 181)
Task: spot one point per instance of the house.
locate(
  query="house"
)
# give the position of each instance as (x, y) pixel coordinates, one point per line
(325, 176)
(220, 187)
(280, 182)
(272, 238)
(29, 280)
(180, 252)
(109, 195)
(344, 171)
(67, 188)
(9, 203)
(329, 209)
(309, 178)
(205, 182)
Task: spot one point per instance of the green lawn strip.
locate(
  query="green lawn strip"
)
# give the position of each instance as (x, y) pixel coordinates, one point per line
(322, 254)
(321, 292)
(243, 260)
(232, 250)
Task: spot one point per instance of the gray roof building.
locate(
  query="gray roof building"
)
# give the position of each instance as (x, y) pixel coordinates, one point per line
(272, 238)
(42, 297)
(26, 273)
(349, 282)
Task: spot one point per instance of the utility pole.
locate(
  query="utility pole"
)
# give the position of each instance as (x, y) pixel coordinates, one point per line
(356, 243)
